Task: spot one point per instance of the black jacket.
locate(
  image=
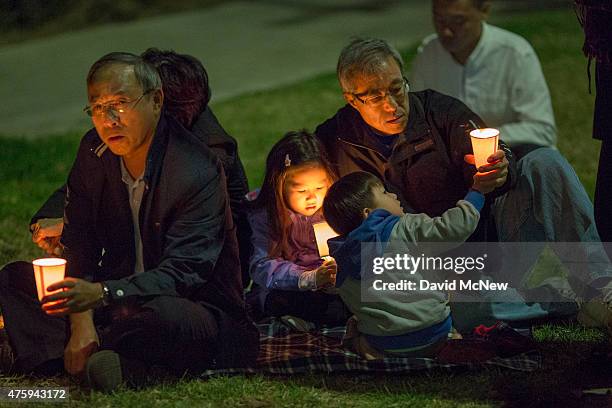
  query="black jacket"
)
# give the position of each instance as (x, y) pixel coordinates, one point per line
(426, 165)
(188, 237)
(208, 129)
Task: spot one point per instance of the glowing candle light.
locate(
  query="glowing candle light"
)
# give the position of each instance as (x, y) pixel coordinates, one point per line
(323, 232)
(47, 271)
(484, 144)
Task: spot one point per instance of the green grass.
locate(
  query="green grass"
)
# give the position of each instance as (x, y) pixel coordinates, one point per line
(31, 170)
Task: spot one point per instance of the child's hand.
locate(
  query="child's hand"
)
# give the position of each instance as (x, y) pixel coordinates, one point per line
(481, 184)
(326, 273)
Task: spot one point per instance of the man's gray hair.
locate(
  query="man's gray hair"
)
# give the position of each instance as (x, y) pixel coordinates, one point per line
(145, 73)
(364, 56)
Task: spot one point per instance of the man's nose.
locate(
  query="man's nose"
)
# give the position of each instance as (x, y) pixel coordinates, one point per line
(446, 32)
(110, 118)
(390, 103)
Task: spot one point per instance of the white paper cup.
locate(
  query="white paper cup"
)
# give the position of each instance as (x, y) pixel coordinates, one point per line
(484, 143)
(323, 232)
(47, 271)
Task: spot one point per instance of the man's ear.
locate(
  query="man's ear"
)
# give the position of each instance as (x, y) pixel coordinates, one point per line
(350, 99)
(366, 212)
(158, 99)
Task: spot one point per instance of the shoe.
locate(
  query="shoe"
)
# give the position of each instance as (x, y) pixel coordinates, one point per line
(506, 340)
(596, 313)
(103, 371)
(606, 293)
(106, 371)
(564, 289)
(297, 323)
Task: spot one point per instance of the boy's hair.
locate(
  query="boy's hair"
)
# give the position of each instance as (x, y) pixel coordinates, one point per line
(346, 199)
(294, 149)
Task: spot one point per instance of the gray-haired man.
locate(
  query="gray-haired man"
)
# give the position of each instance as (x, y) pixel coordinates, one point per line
(417, 142)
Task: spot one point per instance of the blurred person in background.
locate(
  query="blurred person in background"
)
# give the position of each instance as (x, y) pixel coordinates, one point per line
(496, 73)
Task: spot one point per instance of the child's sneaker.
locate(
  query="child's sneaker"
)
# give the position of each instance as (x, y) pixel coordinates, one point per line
(565, 290)
(298, 324)
(507, 341)
(596, 313)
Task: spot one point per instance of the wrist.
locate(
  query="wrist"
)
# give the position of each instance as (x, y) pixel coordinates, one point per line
(308, 280)
(105, 297)
(81, 321)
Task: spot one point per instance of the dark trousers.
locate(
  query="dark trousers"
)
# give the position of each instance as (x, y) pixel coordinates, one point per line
(603, 194)
(317, 307)
(173, 333)
(602, 129)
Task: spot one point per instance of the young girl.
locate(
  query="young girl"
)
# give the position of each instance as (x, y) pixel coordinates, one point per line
(289, 275)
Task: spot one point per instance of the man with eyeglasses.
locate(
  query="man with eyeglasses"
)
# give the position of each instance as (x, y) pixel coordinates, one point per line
(493, 71)
(153, 281)
(418, 143)
(186, 98)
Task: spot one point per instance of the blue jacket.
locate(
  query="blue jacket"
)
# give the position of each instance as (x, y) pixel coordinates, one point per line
(347, 250)
(398, 318)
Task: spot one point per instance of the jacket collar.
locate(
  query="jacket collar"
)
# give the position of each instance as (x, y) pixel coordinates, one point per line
(156, 151)
(355, 130)
(417, 124)
(347, 250)
(208, 129)
(417, 135)
(154, 157)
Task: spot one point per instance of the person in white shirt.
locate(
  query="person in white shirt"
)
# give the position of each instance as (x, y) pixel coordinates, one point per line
(496, 73)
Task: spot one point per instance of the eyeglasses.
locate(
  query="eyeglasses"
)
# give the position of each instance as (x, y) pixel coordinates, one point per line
(395, 92)
(115, 108)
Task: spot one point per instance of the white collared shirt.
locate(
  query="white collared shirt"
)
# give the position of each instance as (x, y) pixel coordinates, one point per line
(135, 189)
(502, 82)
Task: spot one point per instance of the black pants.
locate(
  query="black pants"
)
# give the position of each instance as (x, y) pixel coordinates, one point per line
(603, 195)
(602, 129)
(317, 307)
(174, 333)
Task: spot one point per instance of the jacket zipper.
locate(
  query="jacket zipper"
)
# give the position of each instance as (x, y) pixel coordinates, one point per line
(364, 147)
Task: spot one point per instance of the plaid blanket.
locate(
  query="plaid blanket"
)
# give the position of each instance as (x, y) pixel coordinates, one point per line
(285, 351)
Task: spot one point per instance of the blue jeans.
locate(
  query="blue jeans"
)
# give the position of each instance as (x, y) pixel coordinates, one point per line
(548, 204)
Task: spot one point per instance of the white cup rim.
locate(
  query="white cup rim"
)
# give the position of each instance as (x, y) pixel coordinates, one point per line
(484, 133)
(49, 262)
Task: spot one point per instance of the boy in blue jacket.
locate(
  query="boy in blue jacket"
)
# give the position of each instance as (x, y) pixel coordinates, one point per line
(392, 323)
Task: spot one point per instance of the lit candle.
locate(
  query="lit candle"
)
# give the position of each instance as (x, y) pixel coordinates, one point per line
(484, 144)
(323, 232)
(47, 271)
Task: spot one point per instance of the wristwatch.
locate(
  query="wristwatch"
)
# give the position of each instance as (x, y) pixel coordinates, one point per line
(105, 297)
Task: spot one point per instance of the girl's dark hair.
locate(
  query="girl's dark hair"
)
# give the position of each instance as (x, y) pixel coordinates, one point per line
(346, 198)
(184, 81)
(293, 150)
